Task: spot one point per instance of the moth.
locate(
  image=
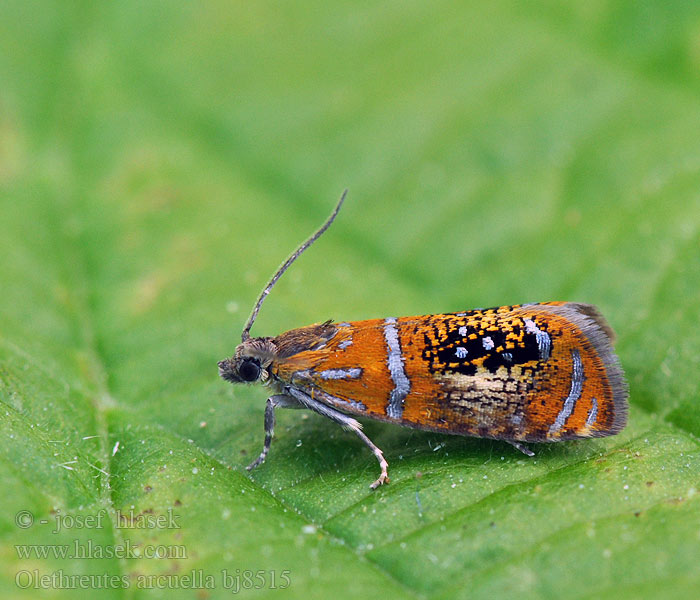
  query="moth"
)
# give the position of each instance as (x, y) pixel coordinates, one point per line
(542, 372)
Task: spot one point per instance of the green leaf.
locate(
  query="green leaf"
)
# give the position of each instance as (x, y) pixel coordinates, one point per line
(158, 161)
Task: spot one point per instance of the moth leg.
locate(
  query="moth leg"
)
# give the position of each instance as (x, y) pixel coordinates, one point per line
(383, 465)
(347, 423)
(524, 449)
(272, 402)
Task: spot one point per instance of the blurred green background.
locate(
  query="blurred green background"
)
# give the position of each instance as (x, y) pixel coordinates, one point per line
(158, 160)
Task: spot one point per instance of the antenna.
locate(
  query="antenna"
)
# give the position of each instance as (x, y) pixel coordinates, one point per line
(292, 257)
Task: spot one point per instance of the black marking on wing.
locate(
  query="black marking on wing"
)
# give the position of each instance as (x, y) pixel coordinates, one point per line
(457, 353)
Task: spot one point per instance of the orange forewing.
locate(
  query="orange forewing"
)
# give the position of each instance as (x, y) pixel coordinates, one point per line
(538, 372)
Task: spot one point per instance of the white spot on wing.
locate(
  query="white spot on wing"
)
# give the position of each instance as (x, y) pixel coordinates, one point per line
(592, 414)
(488, 343)
(353, 373)
(544, 342)
(574, 393)
(461, 352)
(395, 362)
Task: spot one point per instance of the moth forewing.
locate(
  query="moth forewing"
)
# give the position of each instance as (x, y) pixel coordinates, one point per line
(542, 372)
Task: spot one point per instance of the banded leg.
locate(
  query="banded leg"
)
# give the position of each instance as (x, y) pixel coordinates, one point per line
(524, 449)
(272, 402)
(347, 423)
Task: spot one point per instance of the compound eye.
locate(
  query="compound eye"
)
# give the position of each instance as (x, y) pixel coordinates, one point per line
(249, 370)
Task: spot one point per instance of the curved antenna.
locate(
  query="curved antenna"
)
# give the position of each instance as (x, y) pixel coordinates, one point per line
(292, 257)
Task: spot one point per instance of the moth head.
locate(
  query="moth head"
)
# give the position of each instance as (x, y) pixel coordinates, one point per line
(250, 363)
(253, 357)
